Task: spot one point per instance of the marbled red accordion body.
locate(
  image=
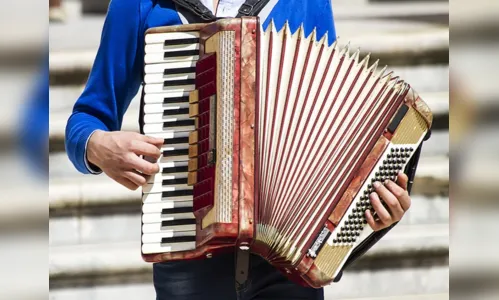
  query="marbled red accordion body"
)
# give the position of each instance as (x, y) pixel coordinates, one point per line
(261, 184)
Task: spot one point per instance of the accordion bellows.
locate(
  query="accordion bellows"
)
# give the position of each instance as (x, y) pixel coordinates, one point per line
(273, 140)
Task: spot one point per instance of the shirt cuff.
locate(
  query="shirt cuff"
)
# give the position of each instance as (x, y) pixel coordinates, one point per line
(90, 167)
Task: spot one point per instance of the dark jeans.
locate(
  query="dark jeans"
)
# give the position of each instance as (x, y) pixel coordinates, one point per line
(213, 279)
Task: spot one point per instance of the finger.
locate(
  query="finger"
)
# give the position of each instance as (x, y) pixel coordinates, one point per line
(404, 201)
(402, 180)
(380, 210)
(146, 149)
(151, 140)
(126, 183)
(142, 165)
(375, 226)
(391, 201)
(135, 177)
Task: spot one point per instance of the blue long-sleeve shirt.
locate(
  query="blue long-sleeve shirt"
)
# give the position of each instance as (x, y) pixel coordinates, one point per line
(116, 74)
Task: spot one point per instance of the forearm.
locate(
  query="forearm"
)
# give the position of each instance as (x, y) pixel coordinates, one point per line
(78, 130)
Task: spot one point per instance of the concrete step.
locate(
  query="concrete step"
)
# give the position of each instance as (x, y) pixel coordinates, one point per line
(393, 49)
(121, 221)
(396, 258)
(135, 291)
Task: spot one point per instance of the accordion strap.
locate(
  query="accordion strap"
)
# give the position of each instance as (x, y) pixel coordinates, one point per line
(202, 14)
(251, 7)
(374, 237)
(197, 8)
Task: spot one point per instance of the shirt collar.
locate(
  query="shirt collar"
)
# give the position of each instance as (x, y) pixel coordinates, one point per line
(226, 8)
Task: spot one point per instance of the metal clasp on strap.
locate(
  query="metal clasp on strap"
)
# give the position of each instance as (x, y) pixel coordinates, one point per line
(246, 9)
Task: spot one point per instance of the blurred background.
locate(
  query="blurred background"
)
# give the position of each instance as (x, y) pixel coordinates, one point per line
(23, 149)
(95, 223)
(474, 141)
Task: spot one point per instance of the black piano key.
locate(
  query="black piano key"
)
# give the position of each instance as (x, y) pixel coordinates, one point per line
(181, 53)
(176, 210)
(187, 122)
(177, 193)
(175, 181)
(181, 41)
(179, 71)
(175, 170)
(175, 152)
(178, 140)
(176, 100)
(178, 222)
(177, 111)
(179, 82)
(178, 239)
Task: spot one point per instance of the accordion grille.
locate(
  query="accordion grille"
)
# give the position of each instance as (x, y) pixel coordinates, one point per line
(225, 120)
(412, 133)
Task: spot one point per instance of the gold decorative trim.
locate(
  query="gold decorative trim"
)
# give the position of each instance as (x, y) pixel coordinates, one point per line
(192, 178)
(410, 129)
(193, 110)
(193, 96)
(193, 137)
(330, 258)
(192, 165)
(193, 151)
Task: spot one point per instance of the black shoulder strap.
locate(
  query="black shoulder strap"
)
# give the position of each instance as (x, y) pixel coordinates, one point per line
(251, 7)
(194, 11)
(375, 237)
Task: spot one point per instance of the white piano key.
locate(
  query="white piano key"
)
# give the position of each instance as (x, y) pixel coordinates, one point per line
(160, 77)
(158, 227)
(171, 147)
(158, 217)
(158, 198)
(151, 248)
(154, 58)
(169, 134)
(159, 118)
(160, 47)
(152, 38)
(160, 88)
(159, 177)
(157, 188)
(160, 98)
(160, 68)
(164, 159)
(161, 107)
(158, 207)
(157, 237)
(158, 128)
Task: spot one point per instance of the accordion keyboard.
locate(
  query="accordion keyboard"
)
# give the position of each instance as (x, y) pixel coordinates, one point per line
(168, 222)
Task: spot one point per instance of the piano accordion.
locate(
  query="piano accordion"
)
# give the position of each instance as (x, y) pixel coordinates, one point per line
(273, 140)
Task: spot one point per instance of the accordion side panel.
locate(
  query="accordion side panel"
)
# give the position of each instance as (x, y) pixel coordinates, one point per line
(249, 30)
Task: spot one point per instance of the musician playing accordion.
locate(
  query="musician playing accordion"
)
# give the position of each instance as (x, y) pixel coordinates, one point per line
(96, 145)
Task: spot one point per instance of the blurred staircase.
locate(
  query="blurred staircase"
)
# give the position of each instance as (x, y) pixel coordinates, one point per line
(95, 223)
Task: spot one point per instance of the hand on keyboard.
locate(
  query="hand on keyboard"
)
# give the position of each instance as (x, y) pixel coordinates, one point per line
(117, 154)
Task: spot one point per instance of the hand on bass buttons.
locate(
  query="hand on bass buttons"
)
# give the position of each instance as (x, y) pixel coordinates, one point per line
(397, 202)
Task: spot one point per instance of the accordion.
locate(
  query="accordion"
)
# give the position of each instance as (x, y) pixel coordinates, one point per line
(272, 141)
